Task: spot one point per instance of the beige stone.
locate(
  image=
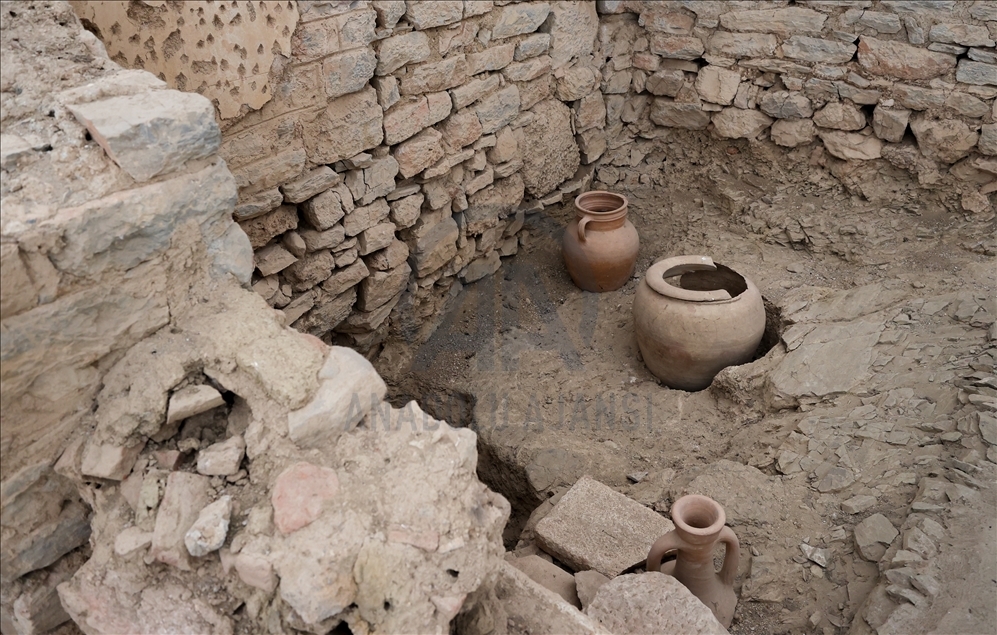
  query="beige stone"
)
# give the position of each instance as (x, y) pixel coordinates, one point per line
(793, 132)
(946, 140)
(347, 126)
(851, 145)
(902, 61)
(549, 575)
(735, 123)
(399, 50)
(717, 85)
(185, 496)
(666, 112)
(419, 152)
(554, 157)
(890, 124)
(784, 21)
(840, 116)
(652, 602)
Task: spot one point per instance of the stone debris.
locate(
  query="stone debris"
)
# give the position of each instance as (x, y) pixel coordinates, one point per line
(651, 603)
(190, 401)
(185, 496)
(595, 527)
(587, 585)
(550, 576)
(221, 459)
(873, 535)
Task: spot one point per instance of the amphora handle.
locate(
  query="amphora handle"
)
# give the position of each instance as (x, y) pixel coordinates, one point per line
(667, 543)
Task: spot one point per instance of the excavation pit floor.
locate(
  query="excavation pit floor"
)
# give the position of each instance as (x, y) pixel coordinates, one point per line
(878, 388)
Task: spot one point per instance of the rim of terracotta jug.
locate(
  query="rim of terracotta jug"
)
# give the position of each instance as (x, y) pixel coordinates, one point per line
(658, 273)
(700, 505)
(588, 198)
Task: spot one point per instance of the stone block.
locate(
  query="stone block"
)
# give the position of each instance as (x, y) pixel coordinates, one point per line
(461, 129)
(477, 7)
(388, 12)
(792, 132)
(45, 544)
(497, 110)
(665, 112)
(329, 239)
(221, 459)
(486, 207)
(347, 126)
(348, 72)
(405, 211)
(851, 145)
(946, 140)
(388, 258)
(528, 70)
(300, 493)
(257, 204)
(966, 105)
(348, 388)
(840, 116)
(365, 217)
(192, 400)
(419, 153)
(379, 178)
(988, 145)
(651, 603)
(676, 46)
(131, 540)
(208, 532)
(311, 183)
(375, 238)
(434, 248)
(555, 156)
(573, 27)
(902, 61)
(963, 34)
(592, 144)
(406, 119)
(742, 45)
(325, 210)
(152, 133)
(595, 527)
(520, 18)
(474, 90)
(273, 259)
(387, 90)
(344, 278)
(532, 46)
(890, 124)
(255, 570)
(858, 95)
(550, 576)
(873, 536)
(783, 104)
(590, 112)
(979, 73)
(399, 50)
(364, 322)
(667, 82)
(381, 286)
(491, 59)
(310, 270)
(785, 22)
(435, 76)
(481, 267)
(185, 496)
(717, 85)
(735, 123)
(819, 50)
(587, 585)
(294, 243)
(918, 98)
(576, 82)
(880, 21)
(427, 15)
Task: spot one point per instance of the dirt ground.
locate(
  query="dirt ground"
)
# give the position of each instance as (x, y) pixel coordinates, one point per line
(551, 379)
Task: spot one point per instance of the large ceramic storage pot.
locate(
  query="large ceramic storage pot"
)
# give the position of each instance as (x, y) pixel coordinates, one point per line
(600, 245)
(688, 330)
(699, 527)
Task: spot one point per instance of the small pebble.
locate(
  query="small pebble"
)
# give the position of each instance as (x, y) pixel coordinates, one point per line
(796, 268)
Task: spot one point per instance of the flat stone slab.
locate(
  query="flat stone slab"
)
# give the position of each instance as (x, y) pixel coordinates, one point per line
(595, 527)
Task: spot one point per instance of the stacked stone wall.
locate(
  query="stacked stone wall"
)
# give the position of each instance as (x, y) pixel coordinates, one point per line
(907, 81)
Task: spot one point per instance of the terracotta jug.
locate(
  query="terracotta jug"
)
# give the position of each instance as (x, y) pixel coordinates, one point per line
(600, 245)
(713, 317)
(699, 526)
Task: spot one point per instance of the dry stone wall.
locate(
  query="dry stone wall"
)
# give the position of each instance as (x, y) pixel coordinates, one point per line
(910, 82)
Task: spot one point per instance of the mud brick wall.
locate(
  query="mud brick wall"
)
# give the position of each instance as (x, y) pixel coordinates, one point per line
(908, 82)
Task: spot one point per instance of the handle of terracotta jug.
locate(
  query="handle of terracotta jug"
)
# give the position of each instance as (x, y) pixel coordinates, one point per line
(581, 228)
(731, 556)
(661, 546)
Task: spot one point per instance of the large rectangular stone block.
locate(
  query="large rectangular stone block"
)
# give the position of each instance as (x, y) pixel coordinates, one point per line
(347, 126)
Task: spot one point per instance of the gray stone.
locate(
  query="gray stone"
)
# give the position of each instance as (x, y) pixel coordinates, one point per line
(208, 532)
(344, 278)
(405, 211)
(481, 267)
(785, 21)
(573, 27)
(873, 535)
(946, 140)
(595, 527)
(947, 48)
(310, 270)
(918, 98)
(532, 46)
(221, 459)
(677, 46)
(983, 55)
(520, 18)
(554, 158)
(496, 201)
(858, 504)
(851, 145)
(375, 238)
(665, 112)
(902, 61)
(840, 116)
(258, 204)
(964, 34)
(436, 76)
(550, 576)
(346, 126)
(811, 49)
(21, 554)
(348, 72)
(418, 153)
(388, 12)
(491, 59)
(880, 21)
(783, 104)
(587, 585)
(735, 123)
(381, 286)
(978, 73)
(388, 258)
(328, 239)
(717, 85)
(967, 105)
(651, 603)
(311, 183)
(426, 15)
(325, 210)
(349, 387)
(328, 311)
(528, 70)
(792, 132)
(399, 50)
(666, 82)
(474, 90)
(576, 83)
(435, 248)
(866, 97)
(742, 45)
(498, 109)
(152, 133)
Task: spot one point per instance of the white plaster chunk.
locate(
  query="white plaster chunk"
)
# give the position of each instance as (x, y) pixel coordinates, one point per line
(208, 532)
(191, 401)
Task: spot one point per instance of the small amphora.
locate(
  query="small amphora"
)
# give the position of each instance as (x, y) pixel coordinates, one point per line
(699, 526)
(600, 245)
